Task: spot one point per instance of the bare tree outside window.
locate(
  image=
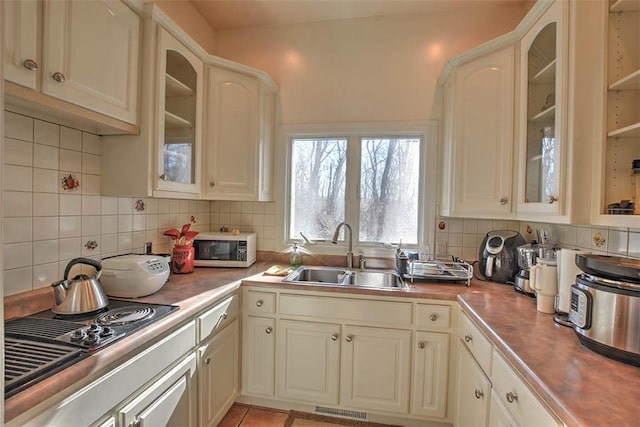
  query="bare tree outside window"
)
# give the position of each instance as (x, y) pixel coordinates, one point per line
(389, 187)
(318, 173)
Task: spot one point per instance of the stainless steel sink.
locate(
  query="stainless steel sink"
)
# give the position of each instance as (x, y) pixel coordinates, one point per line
(317, 275)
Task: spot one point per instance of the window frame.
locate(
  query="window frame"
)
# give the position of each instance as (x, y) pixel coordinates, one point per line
(354, 133)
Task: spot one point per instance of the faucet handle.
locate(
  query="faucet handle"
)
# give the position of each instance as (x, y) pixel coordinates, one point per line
(362, 261)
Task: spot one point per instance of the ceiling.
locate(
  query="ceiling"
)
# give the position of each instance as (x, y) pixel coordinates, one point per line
(231, 14)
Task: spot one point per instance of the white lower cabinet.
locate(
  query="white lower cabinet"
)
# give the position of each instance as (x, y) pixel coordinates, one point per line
(170, 401)
(498, 414)
(258, 356)
(376, 369)
(473, 392)
(430, 374)
(367, 354)
(218, 361)
(309, 361)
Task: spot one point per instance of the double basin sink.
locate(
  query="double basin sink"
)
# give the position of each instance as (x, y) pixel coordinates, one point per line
(336, 276)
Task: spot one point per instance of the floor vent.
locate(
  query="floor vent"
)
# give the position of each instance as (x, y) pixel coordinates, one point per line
(342, 413)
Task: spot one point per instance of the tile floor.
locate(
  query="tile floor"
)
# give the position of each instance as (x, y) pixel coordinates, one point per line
(252, 416)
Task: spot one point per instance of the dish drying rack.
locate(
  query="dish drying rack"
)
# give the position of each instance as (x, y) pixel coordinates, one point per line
(456, 270)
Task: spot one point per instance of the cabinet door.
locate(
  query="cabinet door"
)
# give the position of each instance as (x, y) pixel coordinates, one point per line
(543, 149)
(308, 361)
(91, 54)
(430, 374)
(232, 152)
(258, 356)
(376, 369)
(479, 137)
(21, 60)
(218, 375)
(179, 109)
(170, 401)
(473, 392)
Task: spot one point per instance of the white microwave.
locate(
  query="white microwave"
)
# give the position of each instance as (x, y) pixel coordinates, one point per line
(225, 249)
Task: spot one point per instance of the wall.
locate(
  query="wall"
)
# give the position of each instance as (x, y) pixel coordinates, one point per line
(187, 17)
(362, 70)
(47, 223)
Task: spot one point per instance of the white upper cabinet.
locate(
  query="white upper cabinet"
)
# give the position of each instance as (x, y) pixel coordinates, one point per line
(85, 53)
(543, 93)
(179, 112)
(239, 137)
(21, 61)
(478, 137)
(616, 177)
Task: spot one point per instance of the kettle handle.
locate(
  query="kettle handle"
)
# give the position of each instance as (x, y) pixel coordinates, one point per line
(95, 264)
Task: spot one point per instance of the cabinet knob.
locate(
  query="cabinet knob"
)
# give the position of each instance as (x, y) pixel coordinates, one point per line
(433, 317)
(212, 184)
(503, 201)
(421, 345)
(349, 338)
(207, 360)
(259, 303)
(552, 199)
(512, 397)
(136, 423)
(334, 337)
(468, 338)
(30, 65)
(479, 393)
(269, 329)
(58, 76)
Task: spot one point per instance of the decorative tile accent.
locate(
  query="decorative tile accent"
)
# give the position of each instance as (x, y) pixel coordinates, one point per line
(70, 182)
(138, 205)
(91, 245)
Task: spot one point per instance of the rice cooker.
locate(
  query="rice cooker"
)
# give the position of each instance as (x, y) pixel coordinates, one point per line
(605, 306)
(133, 276)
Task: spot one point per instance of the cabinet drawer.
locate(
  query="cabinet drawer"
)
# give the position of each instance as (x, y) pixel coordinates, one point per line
(218, 317)
(476, 342)
(260, 302)
(433, 316)
(346, 309)
(516, 396)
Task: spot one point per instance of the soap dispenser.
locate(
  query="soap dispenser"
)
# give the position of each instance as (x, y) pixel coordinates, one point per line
(295, 257)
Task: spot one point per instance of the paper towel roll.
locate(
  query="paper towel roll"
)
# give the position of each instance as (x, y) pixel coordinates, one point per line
(567, 272)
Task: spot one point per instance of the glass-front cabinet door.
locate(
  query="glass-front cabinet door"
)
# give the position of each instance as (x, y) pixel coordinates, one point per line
(542, 130)
(179, 115)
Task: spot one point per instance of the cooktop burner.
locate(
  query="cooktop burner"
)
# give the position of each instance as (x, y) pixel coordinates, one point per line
(82, 334)
(125, 315)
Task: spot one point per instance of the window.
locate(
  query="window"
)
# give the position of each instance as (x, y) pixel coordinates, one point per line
(372, 182)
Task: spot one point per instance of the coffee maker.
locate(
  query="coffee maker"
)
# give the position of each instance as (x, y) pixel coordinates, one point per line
(497, 257)
(526, 259)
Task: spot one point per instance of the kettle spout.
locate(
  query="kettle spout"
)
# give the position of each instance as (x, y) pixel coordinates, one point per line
(60, 290)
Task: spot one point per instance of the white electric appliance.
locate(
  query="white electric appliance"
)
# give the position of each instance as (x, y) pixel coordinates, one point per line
(225, 249)
(133, 276)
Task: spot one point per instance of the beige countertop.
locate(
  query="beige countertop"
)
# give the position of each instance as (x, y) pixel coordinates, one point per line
(582, 387)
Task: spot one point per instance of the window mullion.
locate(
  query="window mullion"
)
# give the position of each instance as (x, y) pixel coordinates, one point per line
(353, 182)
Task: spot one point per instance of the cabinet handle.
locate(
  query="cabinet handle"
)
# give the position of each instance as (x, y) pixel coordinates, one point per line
(512, 397)
(421, 345)
(30, 65)
(468, 338)
(59, 77)
(163, 177)
(479, 393)
(212, 184)
(259, 303)
(349, 338)
(503, 201)
(433, 317)
(552, 199)
(335, 337)
(207, 360)
(269, 329)
(136, 423)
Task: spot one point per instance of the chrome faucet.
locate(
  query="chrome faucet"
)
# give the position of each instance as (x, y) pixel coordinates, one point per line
(334, 240)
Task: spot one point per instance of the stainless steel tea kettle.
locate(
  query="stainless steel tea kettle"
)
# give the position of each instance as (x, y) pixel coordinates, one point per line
(82, 294)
